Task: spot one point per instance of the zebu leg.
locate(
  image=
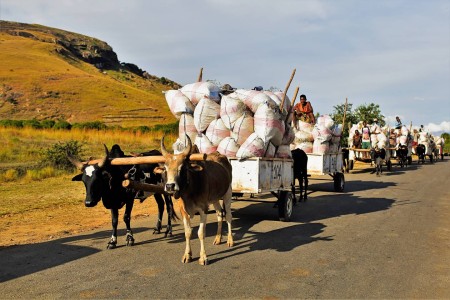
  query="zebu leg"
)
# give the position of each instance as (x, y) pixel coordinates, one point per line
(219, 215)
(203, 260)
(160, 203)
(305, 187)
(115, 221)
(170, 214)
(127, 220)
(187, 256)
(228, 216)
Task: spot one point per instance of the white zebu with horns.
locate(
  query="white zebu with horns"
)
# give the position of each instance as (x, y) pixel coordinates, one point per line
(198, 184)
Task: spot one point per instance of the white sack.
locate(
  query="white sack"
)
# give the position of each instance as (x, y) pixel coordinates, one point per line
(253, 99)
(228, 147)
(268, 124)
(186, 126)
(252, 147)
(204, 144)
(198, 90)
(231, 109)
(205, 112)
(326, 121)
(243, 127)
(284, 151)
(306, 146)
(178, 103)
(321, 147)
(289, 136)
(217, 131)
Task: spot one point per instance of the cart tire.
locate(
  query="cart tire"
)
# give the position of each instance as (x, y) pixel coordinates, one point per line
(339, 182)
(285, 206)
(350, 164)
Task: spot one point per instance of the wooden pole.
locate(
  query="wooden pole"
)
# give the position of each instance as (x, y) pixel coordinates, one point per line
(140, 186)
(200, 76)
(292, 103)
(345, 113)
(286, 89)
(145, 160)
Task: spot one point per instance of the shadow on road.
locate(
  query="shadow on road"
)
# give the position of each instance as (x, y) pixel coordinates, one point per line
(21, 260)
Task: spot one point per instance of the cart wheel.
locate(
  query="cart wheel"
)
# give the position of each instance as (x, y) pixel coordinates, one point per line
(285, 206)
(409, 160)
(350, 164)
(389, 165)
(339, 182)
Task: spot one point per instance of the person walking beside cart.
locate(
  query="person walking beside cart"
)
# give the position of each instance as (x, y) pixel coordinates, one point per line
(303, 111)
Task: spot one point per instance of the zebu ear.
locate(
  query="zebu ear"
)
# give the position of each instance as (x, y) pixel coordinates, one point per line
(159, 170)
(77, 177)
(195, 167)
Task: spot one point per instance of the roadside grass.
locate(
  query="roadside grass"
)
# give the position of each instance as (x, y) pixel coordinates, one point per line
(22, 148)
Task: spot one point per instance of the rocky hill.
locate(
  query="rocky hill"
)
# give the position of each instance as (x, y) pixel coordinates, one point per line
(48, 73)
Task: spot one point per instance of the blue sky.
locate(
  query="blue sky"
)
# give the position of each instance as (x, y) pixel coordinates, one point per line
(395, 53)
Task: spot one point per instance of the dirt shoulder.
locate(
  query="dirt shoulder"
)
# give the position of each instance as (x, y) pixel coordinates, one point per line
(53, 208)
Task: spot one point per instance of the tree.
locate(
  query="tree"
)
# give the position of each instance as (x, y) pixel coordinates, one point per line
(368, 113)
(338, 118)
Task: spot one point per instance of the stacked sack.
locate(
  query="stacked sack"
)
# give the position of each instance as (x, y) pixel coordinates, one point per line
(243, 124)
(323, 137)
(403, 136)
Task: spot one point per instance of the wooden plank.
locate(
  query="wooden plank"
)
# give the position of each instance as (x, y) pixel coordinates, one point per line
(144, 160)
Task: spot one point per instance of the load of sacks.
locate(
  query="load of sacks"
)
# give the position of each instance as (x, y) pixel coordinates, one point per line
(243, 124)
(322, 137)
(378, 136)
(403, 136)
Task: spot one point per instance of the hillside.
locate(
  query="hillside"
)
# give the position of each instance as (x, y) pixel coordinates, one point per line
(48, 73)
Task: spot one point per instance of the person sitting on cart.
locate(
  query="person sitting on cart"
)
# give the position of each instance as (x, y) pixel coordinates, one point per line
(398, 123)
(303, 111)
(226, 89)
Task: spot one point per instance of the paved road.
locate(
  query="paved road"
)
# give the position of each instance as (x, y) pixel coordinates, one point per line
(385, 237)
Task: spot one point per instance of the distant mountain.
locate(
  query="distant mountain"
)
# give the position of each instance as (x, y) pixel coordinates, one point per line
(48, 73)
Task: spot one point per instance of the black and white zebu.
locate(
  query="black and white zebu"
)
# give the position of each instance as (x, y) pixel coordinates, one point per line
(104, 181)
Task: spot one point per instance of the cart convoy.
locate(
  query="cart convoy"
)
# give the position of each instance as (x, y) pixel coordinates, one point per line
(233, 142)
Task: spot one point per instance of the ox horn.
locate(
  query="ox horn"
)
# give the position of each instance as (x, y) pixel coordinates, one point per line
(77, 163)
(105, 158)
(164, 151)
(187, 150)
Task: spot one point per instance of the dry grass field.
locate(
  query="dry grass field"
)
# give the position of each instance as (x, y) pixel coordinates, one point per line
(33, 210)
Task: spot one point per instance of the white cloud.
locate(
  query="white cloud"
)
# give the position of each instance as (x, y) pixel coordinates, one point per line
(442, 127)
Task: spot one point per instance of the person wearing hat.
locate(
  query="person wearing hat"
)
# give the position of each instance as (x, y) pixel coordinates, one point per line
(304, 111)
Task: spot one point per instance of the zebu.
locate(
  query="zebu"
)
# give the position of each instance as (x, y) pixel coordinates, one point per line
(104, 181)
(199, 184)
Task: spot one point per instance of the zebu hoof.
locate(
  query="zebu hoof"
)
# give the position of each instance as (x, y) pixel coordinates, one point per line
(130, 239)
(156, 231)
(230, 242)
(111, 245)
(217, 240)
(187, 258)
(203, 261)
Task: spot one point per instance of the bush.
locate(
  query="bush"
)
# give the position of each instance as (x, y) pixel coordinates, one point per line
(11, 123)
(90, 125)
(61, 124)
(47, 124)
(32, 123)
(56, 156)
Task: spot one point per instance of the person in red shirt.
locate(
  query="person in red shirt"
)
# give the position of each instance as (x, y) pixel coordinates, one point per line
(303, 111)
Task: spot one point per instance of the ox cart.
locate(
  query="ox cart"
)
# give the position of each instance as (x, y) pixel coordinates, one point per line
(358, 155)
(260, 175)
(327, 164)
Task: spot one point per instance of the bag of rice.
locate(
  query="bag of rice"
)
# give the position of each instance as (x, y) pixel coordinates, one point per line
(198, 90)
(253, 99)
(268, 124)
(231, 109)
(321, 147)
(186, 126)
(204, 144)
(217, 131)
(178, 103)
(205, 112)
(284, 151)
(228, 147)
(252, 147)
(243, 127)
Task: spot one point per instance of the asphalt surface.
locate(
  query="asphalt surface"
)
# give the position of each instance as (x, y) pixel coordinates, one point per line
(384, 237)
